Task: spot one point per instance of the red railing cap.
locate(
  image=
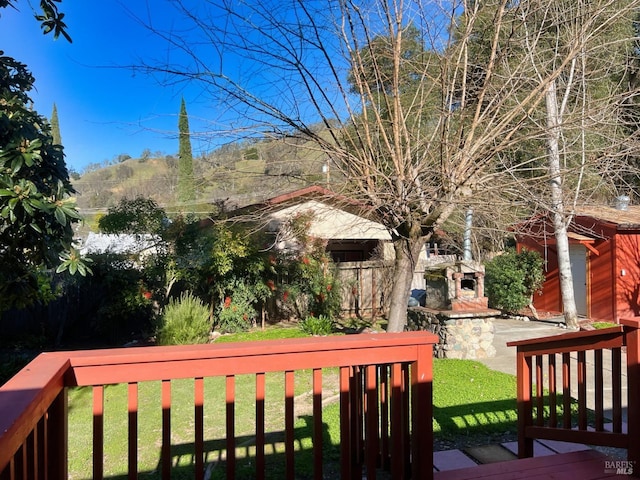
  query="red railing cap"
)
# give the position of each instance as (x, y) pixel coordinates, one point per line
(633, 322)
(566, 336)
(253, 348)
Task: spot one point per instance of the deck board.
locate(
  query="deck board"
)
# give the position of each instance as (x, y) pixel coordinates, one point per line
(585, 465)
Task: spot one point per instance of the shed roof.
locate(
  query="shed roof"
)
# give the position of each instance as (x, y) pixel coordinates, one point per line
(629, 218)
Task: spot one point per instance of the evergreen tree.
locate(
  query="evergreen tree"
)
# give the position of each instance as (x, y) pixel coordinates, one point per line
(55, 126)
(36, 209)
(186, 190)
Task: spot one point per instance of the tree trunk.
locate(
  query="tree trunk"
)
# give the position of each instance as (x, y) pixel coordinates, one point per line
(407, 253)
(557, 209)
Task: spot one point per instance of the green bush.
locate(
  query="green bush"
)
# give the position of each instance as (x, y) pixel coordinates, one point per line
(317, 326)
(237, 313)
(184, 322)
(310, 285)
(512, 278)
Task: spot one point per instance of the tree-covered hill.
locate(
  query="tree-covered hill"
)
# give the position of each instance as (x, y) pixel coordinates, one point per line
(236, 173)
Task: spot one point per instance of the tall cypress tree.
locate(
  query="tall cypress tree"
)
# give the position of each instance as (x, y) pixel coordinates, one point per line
(55, 126)
(186, 190)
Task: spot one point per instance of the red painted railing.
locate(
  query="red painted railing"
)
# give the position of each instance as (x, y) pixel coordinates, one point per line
(384, 389)
(583, 364)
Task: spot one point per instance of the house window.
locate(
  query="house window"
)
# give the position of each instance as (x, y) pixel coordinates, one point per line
(351, 250)
(347, 255)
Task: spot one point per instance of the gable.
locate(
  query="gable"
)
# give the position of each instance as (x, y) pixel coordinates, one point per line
(329, 223)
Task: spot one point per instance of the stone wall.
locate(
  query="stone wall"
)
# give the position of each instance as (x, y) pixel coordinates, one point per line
(461, 336)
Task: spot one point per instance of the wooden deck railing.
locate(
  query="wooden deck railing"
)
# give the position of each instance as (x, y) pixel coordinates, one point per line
(384, 389)
(584, 364)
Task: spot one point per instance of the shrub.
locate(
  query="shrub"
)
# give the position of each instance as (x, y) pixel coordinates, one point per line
(312, 286)
(113, 300)
(512, 278)
(237, 313)
(184, 321)
(318, 326)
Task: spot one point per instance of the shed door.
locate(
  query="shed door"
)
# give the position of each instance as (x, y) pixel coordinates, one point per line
(578, 256)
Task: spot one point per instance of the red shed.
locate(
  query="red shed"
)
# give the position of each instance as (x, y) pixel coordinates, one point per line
(604, 246)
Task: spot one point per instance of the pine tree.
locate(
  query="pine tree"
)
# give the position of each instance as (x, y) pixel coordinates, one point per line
(55, 126)
(186, 190)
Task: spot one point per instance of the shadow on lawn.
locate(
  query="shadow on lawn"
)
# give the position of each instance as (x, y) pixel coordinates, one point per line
(489, 422)
(473, 424)
(183, 457)
(458, 426)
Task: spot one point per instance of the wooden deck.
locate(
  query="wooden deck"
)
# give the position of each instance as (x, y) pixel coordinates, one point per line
(582, 465)
(384, 380)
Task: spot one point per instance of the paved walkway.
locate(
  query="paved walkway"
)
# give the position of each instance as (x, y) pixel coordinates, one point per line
(507, 330)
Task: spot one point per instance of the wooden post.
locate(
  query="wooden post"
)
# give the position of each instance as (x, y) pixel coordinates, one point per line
(632, 333)
(422, 414)
(57, 437)
(346, 437)
(525, 419)
(98, 432)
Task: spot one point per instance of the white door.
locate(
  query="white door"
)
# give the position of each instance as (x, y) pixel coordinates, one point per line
(578, 256)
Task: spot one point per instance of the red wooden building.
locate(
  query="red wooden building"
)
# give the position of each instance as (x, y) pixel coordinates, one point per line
(605, 261)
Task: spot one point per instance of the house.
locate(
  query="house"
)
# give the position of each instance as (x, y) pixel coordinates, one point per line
(340, 221)
(360, 245)
(604, 245)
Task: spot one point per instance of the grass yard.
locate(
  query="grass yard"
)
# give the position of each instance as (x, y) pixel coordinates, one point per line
(272, 333)
(471, 404)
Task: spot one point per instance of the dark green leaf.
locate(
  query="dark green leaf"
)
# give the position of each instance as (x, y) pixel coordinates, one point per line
(60, 216)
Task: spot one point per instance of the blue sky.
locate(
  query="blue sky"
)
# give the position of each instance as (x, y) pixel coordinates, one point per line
(104, 108)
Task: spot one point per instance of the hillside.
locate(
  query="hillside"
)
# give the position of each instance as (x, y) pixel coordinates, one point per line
(235, 173)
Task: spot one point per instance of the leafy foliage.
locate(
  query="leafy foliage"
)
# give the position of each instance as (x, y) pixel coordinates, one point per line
(116, 302)
(512, 278)
(186, 190)
(184, 322)
(307, 277)
(319, 326)
(36, 211)
(237, 313)
(55, 126)
(220, 264)
(137, 216)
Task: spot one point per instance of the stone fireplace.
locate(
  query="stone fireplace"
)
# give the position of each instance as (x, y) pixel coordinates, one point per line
(457, 311)
(458, 287)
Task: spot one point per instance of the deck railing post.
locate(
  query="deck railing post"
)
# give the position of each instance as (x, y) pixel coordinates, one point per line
(56, 447)
(525, 413)
(632, 333)
(422, 413)
(346, 433)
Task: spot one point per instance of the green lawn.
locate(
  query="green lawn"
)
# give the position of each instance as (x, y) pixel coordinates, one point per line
(271, 333)
(471, 404)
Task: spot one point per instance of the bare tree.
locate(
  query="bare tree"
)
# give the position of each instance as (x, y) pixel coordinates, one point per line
(581, 51)
(420, 117)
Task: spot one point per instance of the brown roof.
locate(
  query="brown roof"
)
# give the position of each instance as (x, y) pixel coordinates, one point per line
(623, 218)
